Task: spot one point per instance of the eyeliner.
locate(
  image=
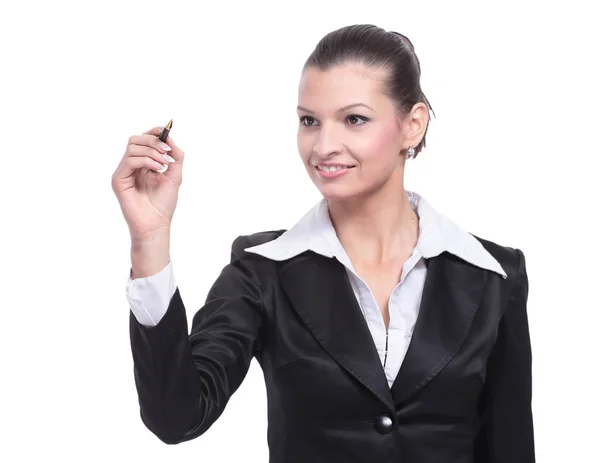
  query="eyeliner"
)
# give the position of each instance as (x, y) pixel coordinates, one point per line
(165, 132)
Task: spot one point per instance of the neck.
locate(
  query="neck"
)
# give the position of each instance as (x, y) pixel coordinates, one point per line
(376, 229)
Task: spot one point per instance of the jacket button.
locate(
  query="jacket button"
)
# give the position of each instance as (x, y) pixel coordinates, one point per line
(383, 424)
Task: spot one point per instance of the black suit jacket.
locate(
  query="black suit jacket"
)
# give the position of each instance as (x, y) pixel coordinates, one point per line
(463, 393)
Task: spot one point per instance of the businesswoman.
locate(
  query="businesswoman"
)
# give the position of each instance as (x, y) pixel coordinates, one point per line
(386, 333)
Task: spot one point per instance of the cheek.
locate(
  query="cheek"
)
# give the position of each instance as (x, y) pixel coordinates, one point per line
(304, 148)
(380, 148)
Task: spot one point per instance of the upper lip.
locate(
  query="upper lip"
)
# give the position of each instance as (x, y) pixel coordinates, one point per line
(326, 164)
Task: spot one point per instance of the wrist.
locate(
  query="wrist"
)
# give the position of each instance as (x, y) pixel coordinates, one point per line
(149, 256)
(152, 240)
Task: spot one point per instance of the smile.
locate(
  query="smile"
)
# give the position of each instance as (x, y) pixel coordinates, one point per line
(332, 171)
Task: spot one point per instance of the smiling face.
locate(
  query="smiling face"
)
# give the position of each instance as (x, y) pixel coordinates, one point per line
(368, 137)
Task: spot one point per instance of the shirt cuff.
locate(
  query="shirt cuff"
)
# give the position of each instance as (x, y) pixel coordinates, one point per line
(149, 297)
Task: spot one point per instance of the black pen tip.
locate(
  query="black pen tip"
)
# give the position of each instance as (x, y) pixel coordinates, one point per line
(169, 125)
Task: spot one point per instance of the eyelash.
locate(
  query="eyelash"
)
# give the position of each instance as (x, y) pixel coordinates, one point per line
(365, 119)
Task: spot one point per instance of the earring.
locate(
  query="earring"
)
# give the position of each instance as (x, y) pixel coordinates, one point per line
(411, 152)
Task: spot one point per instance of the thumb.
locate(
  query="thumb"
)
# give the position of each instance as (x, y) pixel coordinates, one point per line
(176, 152)
(174, 169)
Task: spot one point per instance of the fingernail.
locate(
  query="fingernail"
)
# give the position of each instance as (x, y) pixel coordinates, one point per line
(168, 158)
(164, 146)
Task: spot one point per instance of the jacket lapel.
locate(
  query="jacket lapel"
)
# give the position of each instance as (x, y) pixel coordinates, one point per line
(451, 296)
(320, 292)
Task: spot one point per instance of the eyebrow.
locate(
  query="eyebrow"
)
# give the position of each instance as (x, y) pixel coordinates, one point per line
(339, 110)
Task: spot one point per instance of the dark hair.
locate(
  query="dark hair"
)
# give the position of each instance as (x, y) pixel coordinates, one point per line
(375, 47)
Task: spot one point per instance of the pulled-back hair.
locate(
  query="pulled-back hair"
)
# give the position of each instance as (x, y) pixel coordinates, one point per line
(373, 46)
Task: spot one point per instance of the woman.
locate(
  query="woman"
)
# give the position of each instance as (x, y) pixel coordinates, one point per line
(385, 332)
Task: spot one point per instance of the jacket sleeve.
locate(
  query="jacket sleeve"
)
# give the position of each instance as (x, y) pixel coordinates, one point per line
(506, 434)
(185, 381)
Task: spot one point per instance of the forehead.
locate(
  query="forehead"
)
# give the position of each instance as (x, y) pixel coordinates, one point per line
(342, 84)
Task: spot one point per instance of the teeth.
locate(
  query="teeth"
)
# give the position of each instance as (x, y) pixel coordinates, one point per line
(331, 168)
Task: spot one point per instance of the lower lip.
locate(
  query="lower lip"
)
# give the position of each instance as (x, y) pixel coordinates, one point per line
(334, 174)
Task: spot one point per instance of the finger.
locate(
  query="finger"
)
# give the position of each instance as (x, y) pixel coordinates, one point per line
(139, 150)
(154, 131)
(133, 163)
(151, 141)
(158, 150)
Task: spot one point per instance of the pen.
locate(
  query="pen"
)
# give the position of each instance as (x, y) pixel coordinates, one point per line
(165, 132)
(163, 137)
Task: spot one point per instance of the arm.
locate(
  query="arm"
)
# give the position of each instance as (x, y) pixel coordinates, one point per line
(185, 381)
(506, 435)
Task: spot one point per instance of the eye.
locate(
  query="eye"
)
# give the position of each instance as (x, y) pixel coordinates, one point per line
(303, 119)
(356, 116)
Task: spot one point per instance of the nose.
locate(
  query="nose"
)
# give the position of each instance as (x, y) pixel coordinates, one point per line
(327, 141)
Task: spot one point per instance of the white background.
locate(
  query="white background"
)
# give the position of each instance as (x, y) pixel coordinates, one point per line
(511, 156)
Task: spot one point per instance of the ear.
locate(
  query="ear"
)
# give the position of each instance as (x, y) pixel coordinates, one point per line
(416, 124)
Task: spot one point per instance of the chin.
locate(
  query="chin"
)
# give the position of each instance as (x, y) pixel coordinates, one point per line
(341, 189)
(337, 192)
(347, 192)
